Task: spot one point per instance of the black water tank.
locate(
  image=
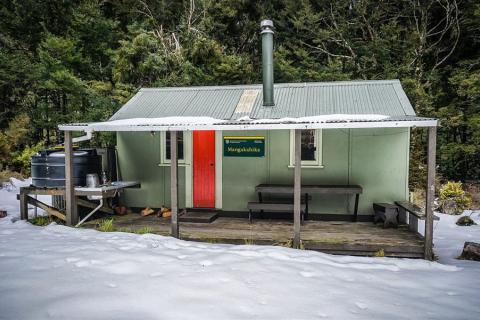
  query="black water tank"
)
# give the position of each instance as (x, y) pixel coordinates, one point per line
(48, 167)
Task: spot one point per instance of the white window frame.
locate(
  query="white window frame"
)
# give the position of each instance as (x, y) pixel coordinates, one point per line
(186, 149)
(318, 163)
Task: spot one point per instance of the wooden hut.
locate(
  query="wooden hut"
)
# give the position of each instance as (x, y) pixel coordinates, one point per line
(323, 151)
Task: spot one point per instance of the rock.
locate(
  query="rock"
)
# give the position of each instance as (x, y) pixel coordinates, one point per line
(449, 207)
(465, 221)
(471, 251)
(3, 213)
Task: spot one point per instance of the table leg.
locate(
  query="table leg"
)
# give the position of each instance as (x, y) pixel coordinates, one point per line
(355, 211)
(23, 205)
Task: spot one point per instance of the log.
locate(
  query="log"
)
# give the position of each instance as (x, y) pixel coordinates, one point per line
(147, 211)
(471, 251)
(48, 209)
(88, 204)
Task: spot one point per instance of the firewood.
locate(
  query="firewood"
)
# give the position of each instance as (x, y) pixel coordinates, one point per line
(147, 211)
(167, 214)
(162, 210)
(120, 210)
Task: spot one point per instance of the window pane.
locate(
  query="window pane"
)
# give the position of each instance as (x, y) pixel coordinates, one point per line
(308, 145)
(179, 145)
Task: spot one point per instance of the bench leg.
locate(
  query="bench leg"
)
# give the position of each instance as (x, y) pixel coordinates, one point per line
(306, 206)
(390, 218)
(412, 223)
(250, 216)
(260, 199)
(379, 216)
(402, 215)
(355, 209)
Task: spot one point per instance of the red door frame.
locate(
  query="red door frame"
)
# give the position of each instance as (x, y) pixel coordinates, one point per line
(203, 169)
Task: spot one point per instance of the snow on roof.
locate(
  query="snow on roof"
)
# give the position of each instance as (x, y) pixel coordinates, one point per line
(245, 123)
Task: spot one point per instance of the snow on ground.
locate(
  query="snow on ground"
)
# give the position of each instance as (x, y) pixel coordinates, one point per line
(9, 202)
(56, 272)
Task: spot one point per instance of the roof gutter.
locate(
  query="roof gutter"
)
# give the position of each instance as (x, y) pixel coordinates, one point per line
(254, 126)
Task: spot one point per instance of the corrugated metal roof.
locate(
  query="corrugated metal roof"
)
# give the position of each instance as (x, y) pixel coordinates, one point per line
(385, 97)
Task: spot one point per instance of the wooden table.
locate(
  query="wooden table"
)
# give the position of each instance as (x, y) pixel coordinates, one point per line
(107, 191)
(312, 189)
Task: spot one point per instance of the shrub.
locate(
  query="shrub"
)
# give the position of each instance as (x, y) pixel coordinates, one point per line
(14, 138)
(105, 225)
(5, 176)
(22, 159)
(453, 199)
(41, 220)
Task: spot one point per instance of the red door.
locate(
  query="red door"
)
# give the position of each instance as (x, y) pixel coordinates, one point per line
(204, 169)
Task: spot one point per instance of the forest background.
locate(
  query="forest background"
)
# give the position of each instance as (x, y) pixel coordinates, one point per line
(77, 61)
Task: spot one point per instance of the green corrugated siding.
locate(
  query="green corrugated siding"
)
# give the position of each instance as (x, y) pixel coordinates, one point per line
(377, 159)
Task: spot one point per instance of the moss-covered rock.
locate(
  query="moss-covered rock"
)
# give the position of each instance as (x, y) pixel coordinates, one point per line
(465, 221)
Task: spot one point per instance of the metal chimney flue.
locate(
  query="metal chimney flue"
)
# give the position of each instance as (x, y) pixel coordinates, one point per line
(266, 27)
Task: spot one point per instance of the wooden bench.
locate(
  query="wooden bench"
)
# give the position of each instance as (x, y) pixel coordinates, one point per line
(415, 213)
(386, 212)
(308, 190)
(273, 207)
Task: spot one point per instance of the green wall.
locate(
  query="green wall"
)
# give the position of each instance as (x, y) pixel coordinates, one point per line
(139, 159)
(376, 159)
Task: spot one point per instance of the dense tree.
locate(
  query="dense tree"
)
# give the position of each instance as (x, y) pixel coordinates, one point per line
(64, 61)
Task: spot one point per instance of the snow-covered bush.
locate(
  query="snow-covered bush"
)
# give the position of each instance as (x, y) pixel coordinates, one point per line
(453, 199)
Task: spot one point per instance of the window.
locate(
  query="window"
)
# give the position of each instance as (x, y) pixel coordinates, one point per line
(311, 148)
(179, 145)
(182, 145)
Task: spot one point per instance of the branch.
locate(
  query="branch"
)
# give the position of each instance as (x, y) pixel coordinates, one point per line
(326, 52)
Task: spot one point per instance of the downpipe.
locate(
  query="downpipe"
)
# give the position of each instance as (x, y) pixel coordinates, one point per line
(87, 136)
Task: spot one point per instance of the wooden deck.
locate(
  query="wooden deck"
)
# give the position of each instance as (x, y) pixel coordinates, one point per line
(350, 238)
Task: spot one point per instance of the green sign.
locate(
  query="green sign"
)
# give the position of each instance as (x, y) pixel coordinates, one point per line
(243, 146)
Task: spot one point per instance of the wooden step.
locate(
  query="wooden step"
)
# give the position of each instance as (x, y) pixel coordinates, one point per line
(198, 217)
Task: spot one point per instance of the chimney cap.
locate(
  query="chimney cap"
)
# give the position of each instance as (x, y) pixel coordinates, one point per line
(266, 26)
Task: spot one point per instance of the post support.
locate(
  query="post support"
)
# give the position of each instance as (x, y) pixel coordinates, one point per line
(297, 189)
(430, 192)
(70, 200)
(23, 204)
(174, 183)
